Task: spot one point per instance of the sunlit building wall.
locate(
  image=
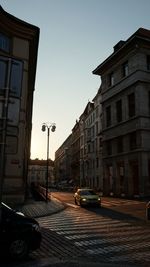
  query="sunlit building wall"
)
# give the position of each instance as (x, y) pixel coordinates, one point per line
(75, 153)
(97, 153)
(37, 173)
(62, 163)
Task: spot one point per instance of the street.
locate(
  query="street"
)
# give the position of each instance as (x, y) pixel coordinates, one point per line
(102, 235)
(134, 208)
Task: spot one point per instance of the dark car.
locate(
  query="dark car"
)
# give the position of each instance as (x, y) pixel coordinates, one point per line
(148, 211)
(18, 234)
(85, 196)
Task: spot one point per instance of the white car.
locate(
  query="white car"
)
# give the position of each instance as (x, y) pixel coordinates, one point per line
(85, 197)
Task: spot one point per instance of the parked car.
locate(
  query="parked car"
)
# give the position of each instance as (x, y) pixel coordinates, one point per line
(148, 210)
(18, 234)
(84, 197)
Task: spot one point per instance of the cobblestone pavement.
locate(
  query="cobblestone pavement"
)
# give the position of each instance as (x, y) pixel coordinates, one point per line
(41, 208)
(77, 237)
(76, 234)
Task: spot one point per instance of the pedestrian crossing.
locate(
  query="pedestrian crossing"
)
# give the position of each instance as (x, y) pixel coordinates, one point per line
(112, 203)
(99, 236)
(119, 202)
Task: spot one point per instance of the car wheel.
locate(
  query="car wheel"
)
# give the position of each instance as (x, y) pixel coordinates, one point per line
(18, 249)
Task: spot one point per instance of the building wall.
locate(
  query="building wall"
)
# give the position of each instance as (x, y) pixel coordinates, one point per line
(75, 154)
(62, 163)
(125, 143)
(37, 173)
(119, 137)
(16, 112)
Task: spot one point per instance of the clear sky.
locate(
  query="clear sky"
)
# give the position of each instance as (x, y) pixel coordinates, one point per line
(75, 37)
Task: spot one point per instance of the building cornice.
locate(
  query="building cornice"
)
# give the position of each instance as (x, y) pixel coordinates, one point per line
(133, 40)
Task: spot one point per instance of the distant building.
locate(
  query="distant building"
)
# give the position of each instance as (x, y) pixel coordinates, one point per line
(97, 139)
(75, 153)
(87, 170)
(91, 173)
(18, 60)
(125, 91)
(113, 132)
(37, 172)
(62, 162)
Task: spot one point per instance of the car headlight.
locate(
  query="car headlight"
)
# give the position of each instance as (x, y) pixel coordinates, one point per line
(99, 199)
(84, 199)
(36, 227)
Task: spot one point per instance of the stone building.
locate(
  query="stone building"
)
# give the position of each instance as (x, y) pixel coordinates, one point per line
(75, 153)
(18, 60)
(62, 163)
(125, 90)
(91, 163)
(37, 172)
(97, 153)
(88, 152)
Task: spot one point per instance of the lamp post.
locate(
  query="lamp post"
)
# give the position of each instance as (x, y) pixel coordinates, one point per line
(53, 128)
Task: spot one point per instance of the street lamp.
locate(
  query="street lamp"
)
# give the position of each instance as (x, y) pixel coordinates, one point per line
(53, 128)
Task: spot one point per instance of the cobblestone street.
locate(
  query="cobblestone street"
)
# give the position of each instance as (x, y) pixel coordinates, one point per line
(76, 233)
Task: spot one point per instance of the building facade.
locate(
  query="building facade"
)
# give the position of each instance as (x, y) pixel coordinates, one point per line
(125, 77)
(75, 153)
(62, 162)
(37, 172)
(18, 60)
(115, 126)
(98, 165)
(91, 144)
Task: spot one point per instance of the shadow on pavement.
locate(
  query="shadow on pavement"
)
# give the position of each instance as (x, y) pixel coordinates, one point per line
(113, 214)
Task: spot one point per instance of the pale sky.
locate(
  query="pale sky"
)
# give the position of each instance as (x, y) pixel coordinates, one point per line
(75, 37)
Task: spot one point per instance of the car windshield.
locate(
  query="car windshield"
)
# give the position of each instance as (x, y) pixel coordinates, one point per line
(87, 192)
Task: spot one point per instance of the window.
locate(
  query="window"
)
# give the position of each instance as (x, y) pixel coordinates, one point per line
(11, 75)
(111, 79)
(96, 128)
(131, 105)
(149, 171)
(88, 134)
(92, 147)
(13, 111)
(81, 140)
(120, 144)
(12, 145)
(93, 164)
(100, 142)
(148, 62)
(92, 131)
(149, 102)
(119, 110)
(4, 43)
(96, 112)
(132, 141)
(3, 73)
(108, 116)
(125, 69)
(16, 77)
(97, 162)
(108, 147)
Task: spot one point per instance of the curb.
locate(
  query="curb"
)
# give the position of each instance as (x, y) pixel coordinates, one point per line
(37, 209)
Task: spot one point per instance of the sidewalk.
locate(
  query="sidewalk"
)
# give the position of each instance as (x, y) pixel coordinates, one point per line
(37, 209)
